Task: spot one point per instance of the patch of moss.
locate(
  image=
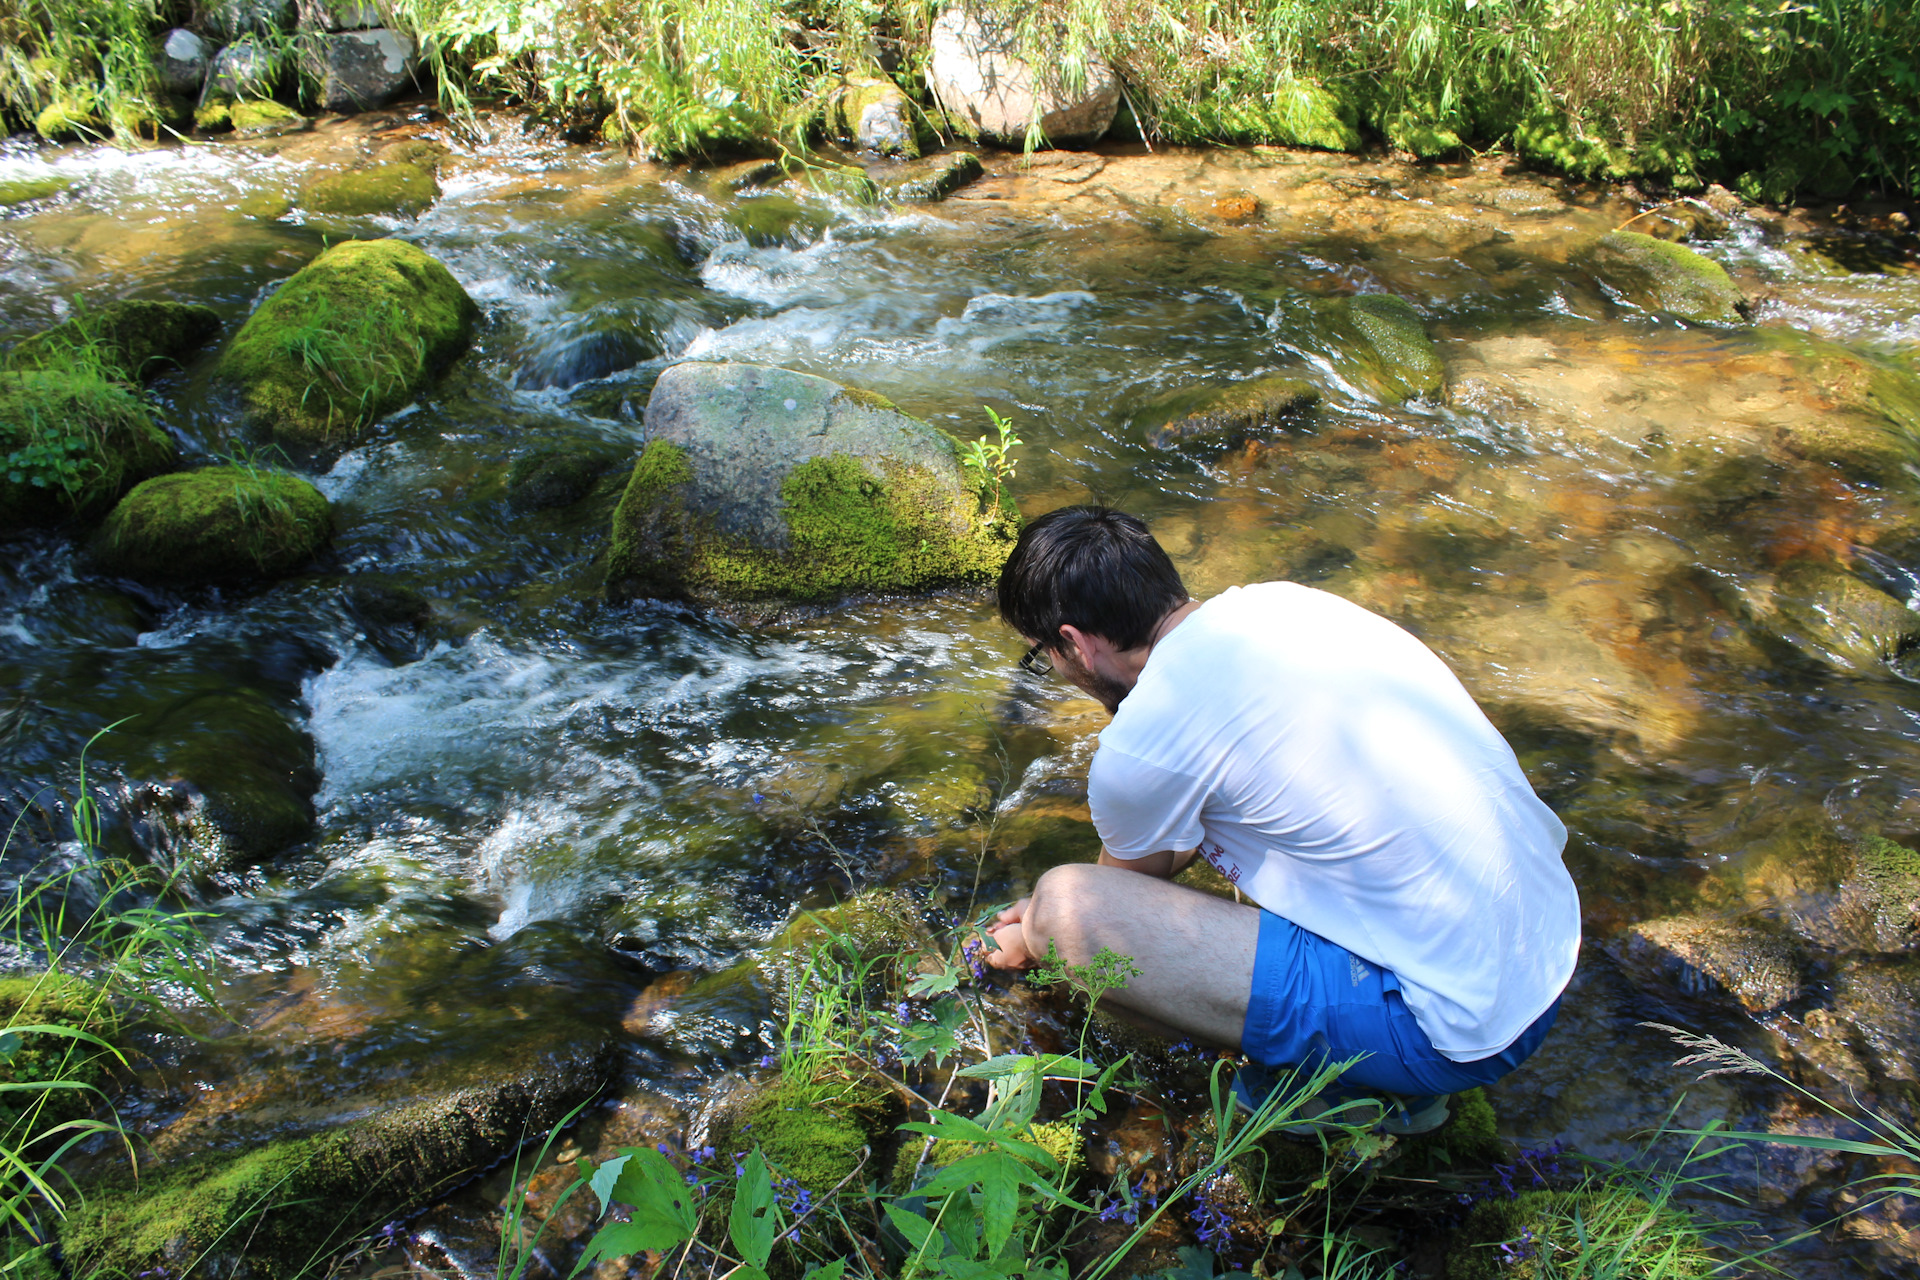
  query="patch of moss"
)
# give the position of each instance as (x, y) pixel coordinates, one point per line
(50, 999)
(1382, 341)
(1612, 1230)
(1425, 135)
(215, 115)
(845, 180)
(24, 1260)
(132, 340)
(219, 524)
(263, 115)
(1228, 417)
(98, 427)
(351, 337)
(871, 399)
(1662, 276)
(393, 188)
(847, 106)
(1471, 1136)
(20, 190)
(421, 153)
(817, 1133)
(940, 177)
(68, 120)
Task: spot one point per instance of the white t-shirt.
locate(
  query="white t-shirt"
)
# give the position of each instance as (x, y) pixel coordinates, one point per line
(1334, 769)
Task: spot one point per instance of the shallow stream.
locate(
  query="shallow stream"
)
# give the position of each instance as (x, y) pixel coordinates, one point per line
(536, 814)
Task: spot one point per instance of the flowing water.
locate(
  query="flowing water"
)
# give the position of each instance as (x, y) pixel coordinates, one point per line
(535, 811)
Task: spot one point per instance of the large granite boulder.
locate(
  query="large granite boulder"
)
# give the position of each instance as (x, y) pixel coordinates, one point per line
(358, 70)
(762, 484)
(182, 60)
(247, 69)
(130, 340)
(1659, 275)
(988, 90)
(218, 524)
(355, 334)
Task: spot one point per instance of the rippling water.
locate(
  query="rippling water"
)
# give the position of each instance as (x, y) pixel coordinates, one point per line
(528, 802)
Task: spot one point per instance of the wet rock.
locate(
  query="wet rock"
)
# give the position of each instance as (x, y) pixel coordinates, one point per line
(1383, 342)
(989, 92)
(396, 189)
(874, 115)
(1866, 416)
(1700, 956)
(351, 337)
(1682, 220)
(1881, 896)
(183, 60)
(240, 72)
(1526, 202)
(233, 19)
(770, 220)
(1230, 416)
(848, 181)
(1879, 1000)
(276, 1202)
(746, 174)
(15, 191)
(557, 477)
(820, 1134)
(1660, 276)
(254, 117)
(1830, 615)
(105, 444)
(602, 350)
(761, 484)
(358, 70)
(218, 524)
(130, 340)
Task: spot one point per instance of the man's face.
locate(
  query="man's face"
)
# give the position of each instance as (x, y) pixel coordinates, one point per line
(1105, 690)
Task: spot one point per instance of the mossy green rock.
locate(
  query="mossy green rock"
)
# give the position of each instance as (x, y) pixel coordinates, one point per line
(114, 445)
(1228, 417)
(354, 335)
(220, 524)
(55, 1000)
(265, 116)
(68, 120)
(1659, 275)
(761, 484)
(772, 220)
(1381, 342)
(20, 190)
(396, 188)
(270, 1209)
(1830, 615)
(938, 177)
(1883, 893)
(872, 113)
(819, 1133)
(1298, 113)
(131, 340)
(1638, 1239)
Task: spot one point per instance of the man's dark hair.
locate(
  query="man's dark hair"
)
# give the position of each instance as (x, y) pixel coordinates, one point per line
(1091, 567)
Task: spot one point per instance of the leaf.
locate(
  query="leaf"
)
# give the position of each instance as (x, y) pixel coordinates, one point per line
(9, 1045)
(603, 1179)
(928, 984)
(831, 1271)
(752, 1223)
(938, 1038)
(915, 1228)
(663, 1212)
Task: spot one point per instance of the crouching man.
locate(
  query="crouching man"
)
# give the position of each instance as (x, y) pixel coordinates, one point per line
(1411, 904)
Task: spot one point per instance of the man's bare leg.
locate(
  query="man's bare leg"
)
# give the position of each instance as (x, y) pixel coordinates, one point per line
(1195, 951)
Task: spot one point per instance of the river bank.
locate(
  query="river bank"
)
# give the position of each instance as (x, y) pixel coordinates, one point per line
(523, 833)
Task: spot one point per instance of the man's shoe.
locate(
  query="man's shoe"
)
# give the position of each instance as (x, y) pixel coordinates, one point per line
(1409, 1116)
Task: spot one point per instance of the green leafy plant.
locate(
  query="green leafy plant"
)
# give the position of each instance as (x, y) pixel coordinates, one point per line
(992, 457)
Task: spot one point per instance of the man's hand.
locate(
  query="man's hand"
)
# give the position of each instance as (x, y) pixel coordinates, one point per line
(1009, 937)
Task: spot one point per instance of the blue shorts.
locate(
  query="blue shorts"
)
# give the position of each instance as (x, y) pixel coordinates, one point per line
(1315, 1002)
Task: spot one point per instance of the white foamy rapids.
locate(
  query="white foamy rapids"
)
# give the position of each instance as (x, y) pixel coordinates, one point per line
(157, 184)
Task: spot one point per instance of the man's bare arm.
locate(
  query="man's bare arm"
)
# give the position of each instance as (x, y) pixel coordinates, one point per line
(1164, 865)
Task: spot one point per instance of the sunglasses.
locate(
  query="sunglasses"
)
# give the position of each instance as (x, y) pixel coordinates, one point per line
(1037, 661)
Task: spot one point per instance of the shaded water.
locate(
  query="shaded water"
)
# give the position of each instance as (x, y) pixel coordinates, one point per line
(532, 809)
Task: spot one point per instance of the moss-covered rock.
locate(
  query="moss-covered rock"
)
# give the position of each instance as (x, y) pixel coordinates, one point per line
(1298, 113)
(848, 181)
(1381, 342)
(762, 484)
(220, 524)
(937, 177)
(21, 190)
(1700, 956)
(1470, 1137)
(354, 335)
(130, 340)
(1230, 416)
(260, 116)
(771, 220)
(1617, 1232)
(1883, 893)
(396, 188)
(271, 1208)
(69, 120)
(872, 113)
(817, 1132)
(71, 442)
(56, 1000)
(1659, 275)
(1832, 616)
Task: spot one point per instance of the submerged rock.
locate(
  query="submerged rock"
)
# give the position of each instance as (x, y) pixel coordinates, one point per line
(220, 524)
(21, 190)
(277, 1203)
(874, 115)
(1382, 342)
(772, 220)
(129, 340)
(1832, 616)
(761, 484)
(1867, 418)
(990, 92)
(1879, 1001)
(358, 70)
(1228, 417)
(1662, 276)
(938, 177)
(71, 442)
(352, 336)
(396, 188)
(1701, 956)
(556, 477)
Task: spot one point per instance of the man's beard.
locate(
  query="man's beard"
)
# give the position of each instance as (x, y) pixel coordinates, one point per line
(1105, 690)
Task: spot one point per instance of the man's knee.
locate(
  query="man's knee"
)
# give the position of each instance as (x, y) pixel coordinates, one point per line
(1065, 905)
